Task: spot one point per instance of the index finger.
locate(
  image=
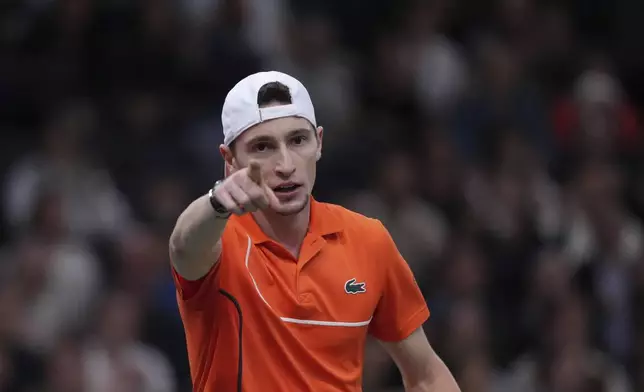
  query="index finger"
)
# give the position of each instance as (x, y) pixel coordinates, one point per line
(273, 201)
(255, 172)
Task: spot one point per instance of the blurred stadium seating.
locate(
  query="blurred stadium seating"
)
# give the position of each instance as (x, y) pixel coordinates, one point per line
(499, 141)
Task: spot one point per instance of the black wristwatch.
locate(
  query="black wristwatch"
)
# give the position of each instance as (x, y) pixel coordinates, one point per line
(222, 212)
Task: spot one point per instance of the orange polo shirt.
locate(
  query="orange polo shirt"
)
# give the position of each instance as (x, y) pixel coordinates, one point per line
(263, 321)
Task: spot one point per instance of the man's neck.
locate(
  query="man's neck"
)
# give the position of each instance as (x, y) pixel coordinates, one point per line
(288, 231)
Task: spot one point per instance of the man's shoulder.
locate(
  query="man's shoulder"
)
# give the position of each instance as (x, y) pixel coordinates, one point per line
(352, 221)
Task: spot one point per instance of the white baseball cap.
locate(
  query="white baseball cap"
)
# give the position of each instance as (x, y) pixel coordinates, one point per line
(241, 111)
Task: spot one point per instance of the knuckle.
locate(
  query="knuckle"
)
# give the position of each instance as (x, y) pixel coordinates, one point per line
(255, 195)
(262, 197)
(228, 203)
(221, 195)
(241, 182)
(224, 187)
(235, 177)
(243, 199)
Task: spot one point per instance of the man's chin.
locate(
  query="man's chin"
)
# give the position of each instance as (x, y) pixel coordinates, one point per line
(292, 207)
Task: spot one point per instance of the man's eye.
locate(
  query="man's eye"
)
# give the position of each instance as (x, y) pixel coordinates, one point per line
(299, 139)
(260, 147)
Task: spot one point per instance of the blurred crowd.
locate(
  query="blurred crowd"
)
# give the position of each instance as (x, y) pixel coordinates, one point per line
(499, 141)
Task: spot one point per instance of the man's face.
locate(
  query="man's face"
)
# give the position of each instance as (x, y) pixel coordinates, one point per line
(288, 150)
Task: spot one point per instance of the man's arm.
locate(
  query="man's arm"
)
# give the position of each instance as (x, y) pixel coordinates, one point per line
(421, 368)
(195, 243)
(398, 320)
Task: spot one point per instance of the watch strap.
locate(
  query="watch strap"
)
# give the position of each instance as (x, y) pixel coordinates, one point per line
(221, 211)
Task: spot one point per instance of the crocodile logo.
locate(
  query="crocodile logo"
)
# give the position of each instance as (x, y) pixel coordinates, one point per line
(354, 287)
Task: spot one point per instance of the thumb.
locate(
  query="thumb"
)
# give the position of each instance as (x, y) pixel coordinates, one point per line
(273, 201)
(255, 172)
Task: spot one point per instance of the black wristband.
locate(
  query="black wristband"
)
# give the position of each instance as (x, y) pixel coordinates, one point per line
(221, 211)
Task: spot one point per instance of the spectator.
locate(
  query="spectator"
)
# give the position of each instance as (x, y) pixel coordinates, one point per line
(20, 367)
(572, 361)
(65, 370)
(505, 96)
(58, 277)
(596, 120)
(91, 205)
(315, 58)
(441, 73)
(477, 375)
(418, 229)
(114, 359)
(442, 174)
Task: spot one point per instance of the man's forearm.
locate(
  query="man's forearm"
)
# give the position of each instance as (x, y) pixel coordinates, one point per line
(438, 379)
(194, 243)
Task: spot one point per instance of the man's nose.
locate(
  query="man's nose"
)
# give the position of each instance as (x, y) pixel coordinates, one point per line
(285, 166)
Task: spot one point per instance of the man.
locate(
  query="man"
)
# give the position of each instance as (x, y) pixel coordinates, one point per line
(277, 291)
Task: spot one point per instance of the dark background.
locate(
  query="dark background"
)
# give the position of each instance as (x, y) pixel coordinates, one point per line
(499, 141)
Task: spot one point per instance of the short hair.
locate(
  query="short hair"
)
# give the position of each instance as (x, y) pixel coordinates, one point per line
(274, 92)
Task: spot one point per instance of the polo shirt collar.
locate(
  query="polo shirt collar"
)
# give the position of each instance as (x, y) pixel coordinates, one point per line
(321, 223)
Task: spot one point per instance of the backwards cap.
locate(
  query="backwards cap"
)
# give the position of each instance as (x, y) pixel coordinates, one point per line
(241, 110)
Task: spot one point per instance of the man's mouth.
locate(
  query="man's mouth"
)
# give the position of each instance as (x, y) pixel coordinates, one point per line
(286, 188)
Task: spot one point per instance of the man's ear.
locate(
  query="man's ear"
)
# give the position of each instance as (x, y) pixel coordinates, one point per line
(319, 132)
(229, 159)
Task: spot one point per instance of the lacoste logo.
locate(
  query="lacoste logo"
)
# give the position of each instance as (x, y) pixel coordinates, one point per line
(351, 287)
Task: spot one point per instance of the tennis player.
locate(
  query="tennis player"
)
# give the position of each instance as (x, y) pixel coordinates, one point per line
(277, 291)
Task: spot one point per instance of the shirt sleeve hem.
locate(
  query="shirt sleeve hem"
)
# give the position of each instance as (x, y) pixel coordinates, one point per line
(413, 323)
(190, 290)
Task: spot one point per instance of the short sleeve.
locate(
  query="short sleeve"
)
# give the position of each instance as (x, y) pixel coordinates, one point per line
(189, 289)
(402, 308)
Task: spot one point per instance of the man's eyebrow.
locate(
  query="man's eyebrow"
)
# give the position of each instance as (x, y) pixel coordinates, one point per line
(299, 130)
(260, 138)
(266, 138)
